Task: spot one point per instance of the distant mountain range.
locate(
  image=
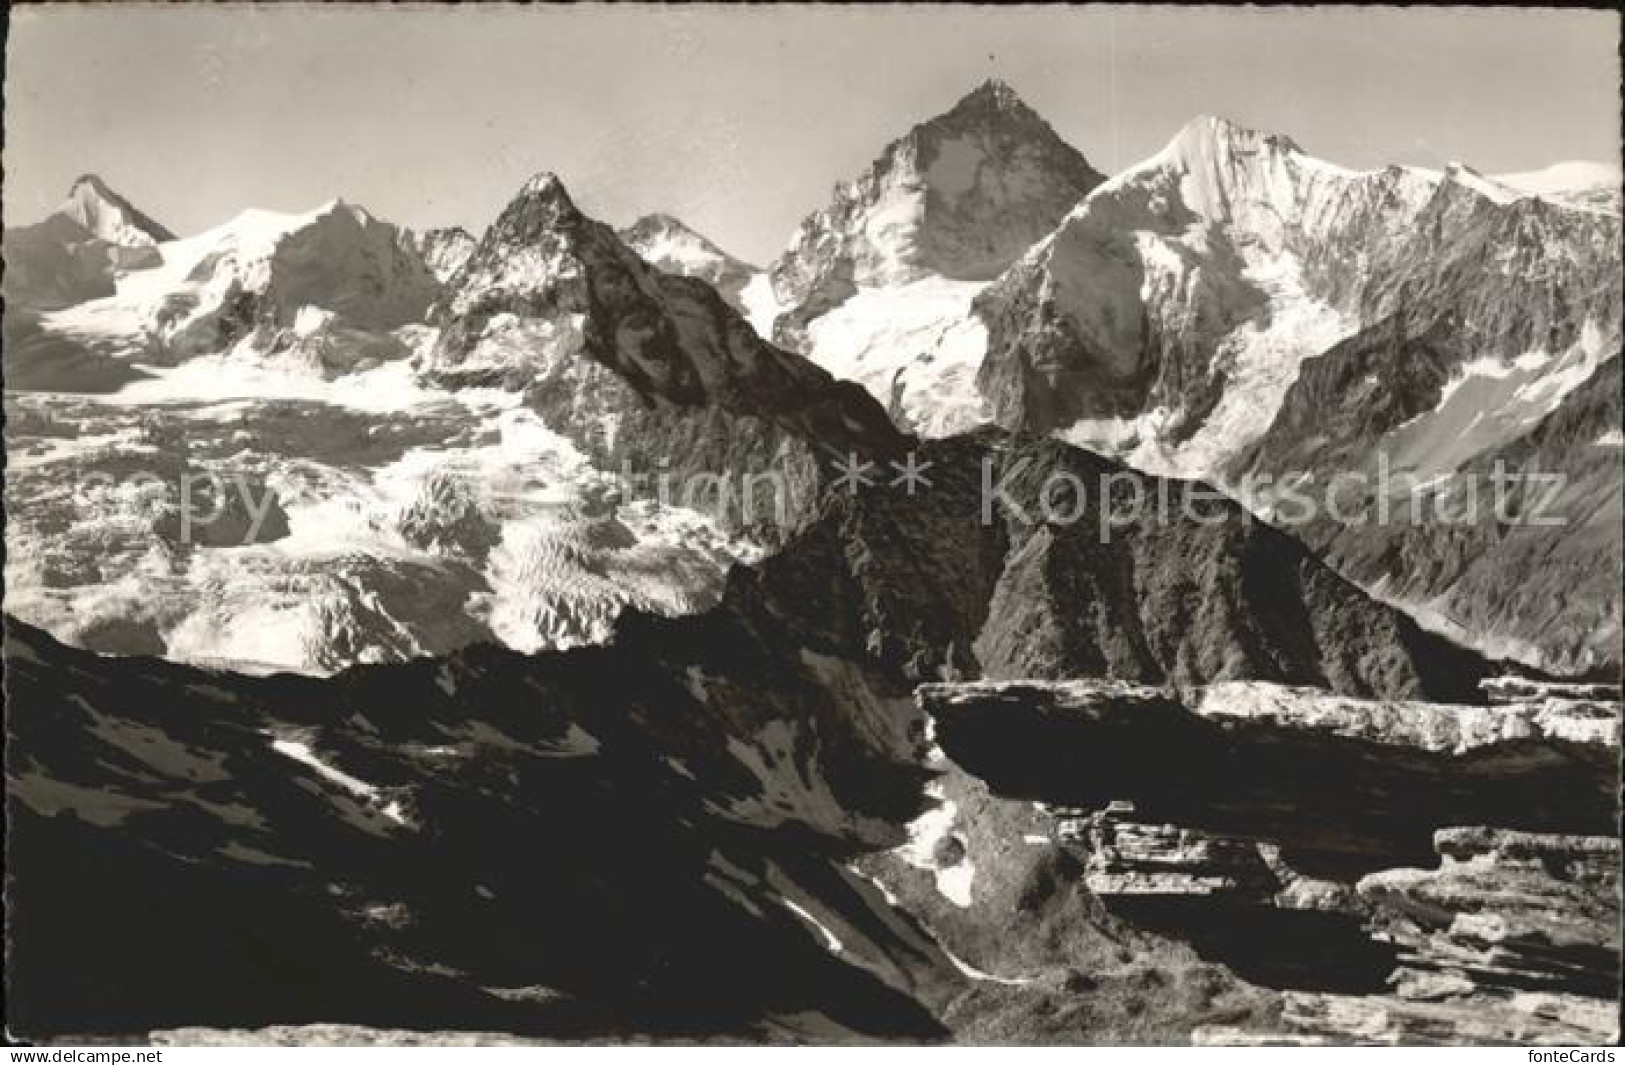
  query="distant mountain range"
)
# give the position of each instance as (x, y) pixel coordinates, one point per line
(1231, 309)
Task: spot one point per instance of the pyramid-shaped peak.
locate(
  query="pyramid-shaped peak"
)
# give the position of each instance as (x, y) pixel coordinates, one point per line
(996, 90)
(991, 98)
(93, 183)
(997, 176)
(542, 206)
(546, 185)
(93, 204)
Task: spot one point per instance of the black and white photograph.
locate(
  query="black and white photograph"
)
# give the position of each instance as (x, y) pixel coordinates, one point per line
(828, 525)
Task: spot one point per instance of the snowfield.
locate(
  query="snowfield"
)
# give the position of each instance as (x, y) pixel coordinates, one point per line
(916, 347)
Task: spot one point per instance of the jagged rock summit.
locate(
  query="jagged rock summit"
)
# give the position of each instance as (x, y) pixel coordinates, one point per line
(959, 196)
(877, 286)
(633, 364)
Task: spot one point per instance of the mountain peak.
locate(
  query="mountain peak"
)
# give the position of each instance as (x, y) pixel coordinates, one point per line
(672, 246)
(93, 204)
(1209, 130)
(992, 104)
(93, 183)
(960, 196)
(546, 185)
(541, 211)
(993, 93)
(340, 206)
(668, 230)
(659, 221)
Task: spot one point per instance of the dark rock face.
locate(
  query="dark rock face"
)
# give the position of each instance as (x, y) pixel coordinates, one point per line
(641, 369)
(365, 270)
(55, 263)
(1047, 366)
(1528, 554)
(1276, 831)
(961, 196)
(1352, 395)
(1141, 578)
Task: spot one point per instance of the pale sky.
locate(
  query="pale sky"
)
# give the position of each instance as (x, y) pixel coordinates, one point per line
(739, 120)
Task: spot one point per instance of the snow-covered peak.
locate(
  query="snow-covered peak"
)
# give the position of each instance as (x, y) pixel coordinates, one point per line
(541, 213)
(667, 244)
(1574, 175)
(1221, 171)
(539, 241)
(250, 277)
(1575, 183)
(354, 210)
(660, 225)
(959, 196)
(555, 304)
(547, 186)
(1207, 137)
(106, 214)
(1219, 264)
(989, 147)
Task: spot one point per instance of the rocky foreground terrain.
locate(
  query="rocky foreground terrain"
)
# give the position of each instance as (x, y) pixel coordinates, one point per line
(1405, 872)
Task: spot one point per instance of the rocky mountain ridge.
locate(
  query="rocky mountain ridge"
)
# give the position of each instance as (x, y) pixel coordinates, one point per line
(639, 366)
